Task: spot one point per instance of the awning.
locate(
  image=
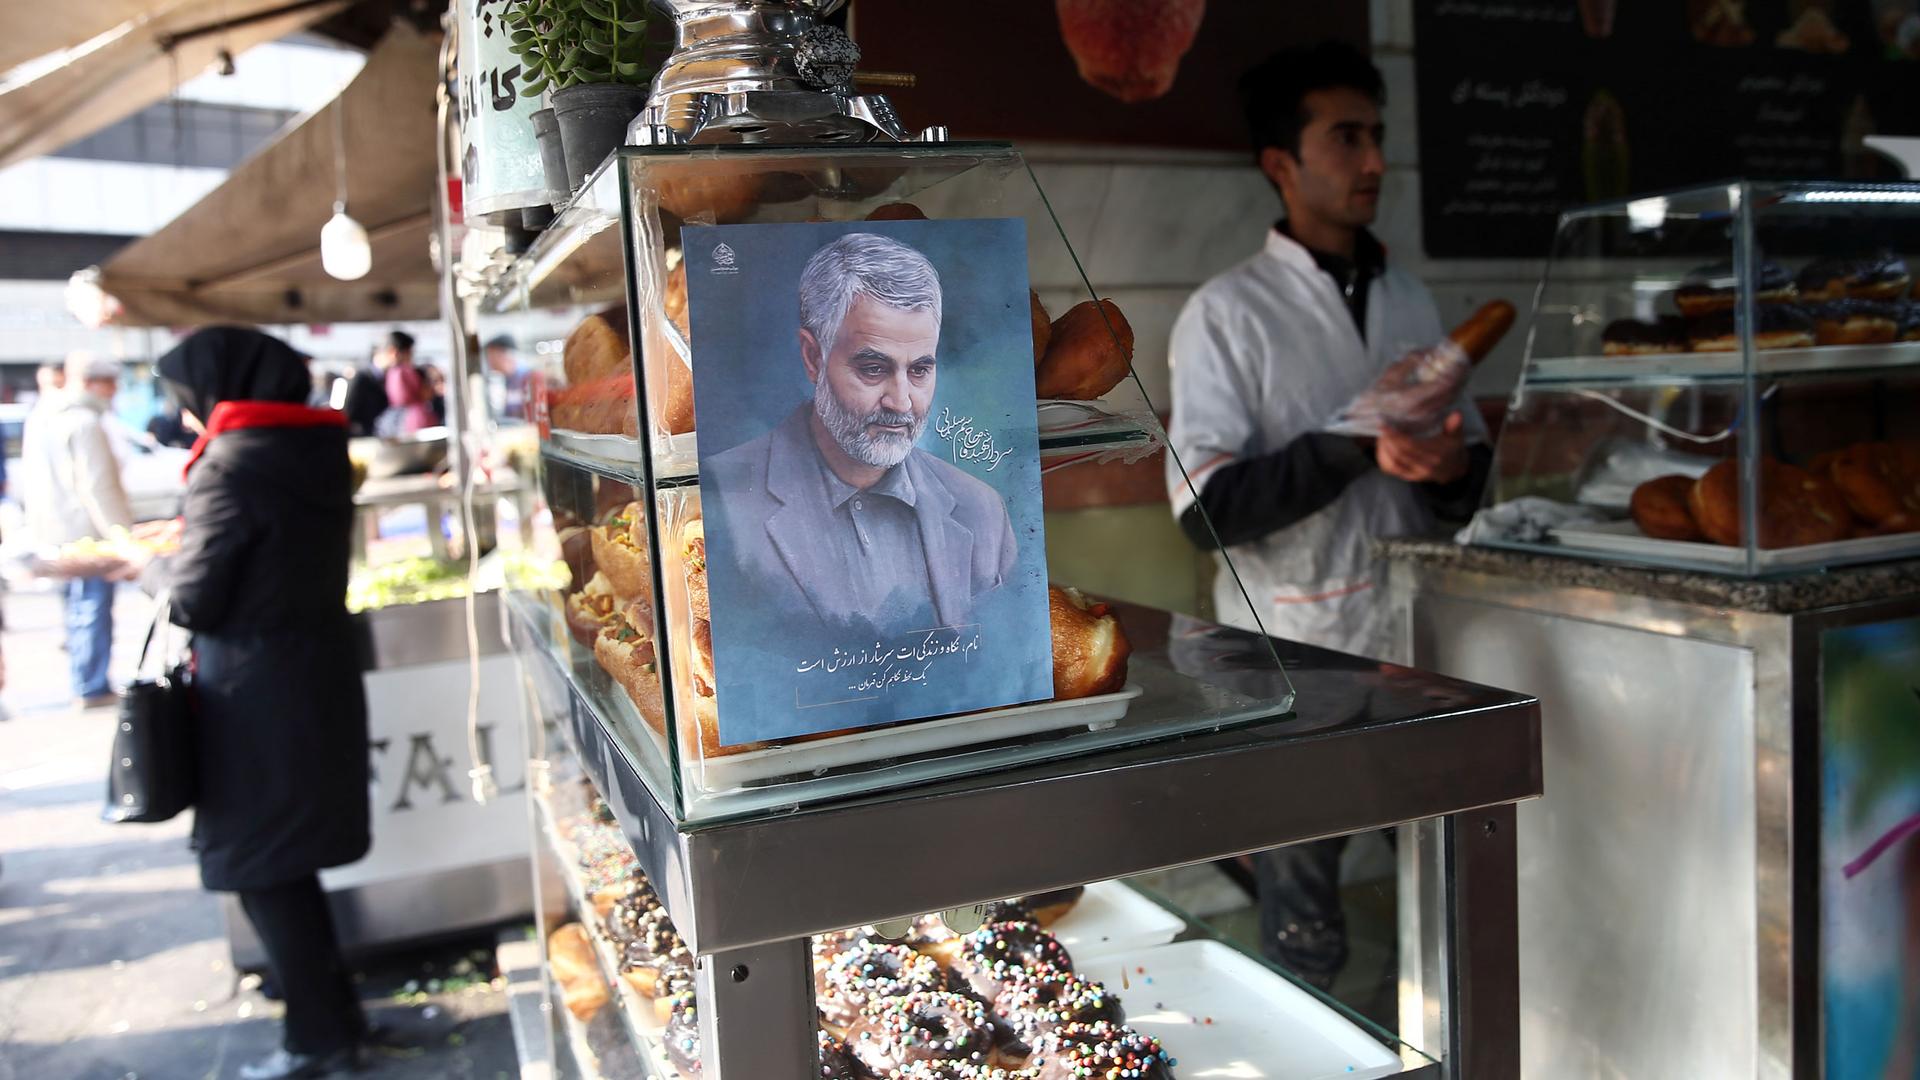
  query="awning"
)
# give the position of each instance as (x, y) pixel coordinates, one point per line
(70, 68)
(250, 251)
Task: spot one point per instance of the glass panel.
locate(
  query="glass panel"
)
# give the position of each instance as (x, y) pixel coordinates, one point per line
(1125, 954)
(1356, 971)
(617, 445)
(1692, 348)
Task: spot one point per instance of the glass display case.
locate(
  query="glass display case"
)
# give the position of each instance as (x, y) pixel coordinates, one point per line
(1166, 740)
(1723, 379)
(604, 297)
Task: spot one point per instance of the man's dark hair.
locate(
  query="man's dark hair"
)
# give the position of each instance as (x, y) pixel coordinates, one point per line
(1274, 93)
(401, 340)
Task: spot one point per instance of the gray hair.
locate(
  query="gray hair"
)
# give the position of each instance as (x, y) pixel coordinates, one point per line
(863, 264)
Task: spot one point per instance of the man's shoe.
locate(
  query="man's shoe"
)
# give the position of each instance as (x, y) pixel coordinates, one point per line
(283, 1064)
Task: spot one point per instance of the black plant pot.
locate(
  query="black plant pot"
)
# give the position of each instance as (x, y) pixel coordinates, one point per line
(536, 218)
(593, 123)
(553, 159)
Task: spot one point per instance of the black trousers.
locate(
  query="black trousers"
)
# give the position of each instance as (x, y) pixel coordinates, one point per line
(1301, 925)
(323, 1012)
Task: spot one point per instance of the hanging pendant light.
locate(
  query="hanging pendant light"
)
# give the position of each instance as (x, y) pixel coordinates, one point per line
(345, 251)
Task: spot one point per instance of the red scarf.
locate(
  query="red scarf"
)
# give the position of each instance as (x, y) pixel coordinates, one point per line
(237, 415)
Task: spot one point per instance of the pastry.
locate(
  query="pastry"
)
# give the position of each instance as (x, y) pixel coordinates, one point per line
(1855, 322)
(1079, 1051)
(1042, 327)
(620, 551)
(1813, 32)
(1781, 326)
(831, 1054)
(1129, 49)
(598, 348)
(631, 912)
(1000, 953)
(1880, 481)
(570, 956)
(1715, 288)
(870, 971)
(1089, 648)
(930, 1026)
(714, 198)
(1796, 506)
(1638, 337)
(1031, 1008)
(656, 947)
(1881, 276)
(673, 299)
(1047, 908)
(1659, 507)
(693, 548)
(676, 977)
(683, 1033)
(1719, 22)
(1910, 321)
(591, 610)
(625, 652)
(602, 406)
(955, 1070)
(1089, 352)
(897, 211)
(1483, 330)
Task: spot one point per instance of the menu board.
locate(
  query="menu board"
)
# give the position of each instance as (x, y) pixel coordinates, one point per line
(1529, 107)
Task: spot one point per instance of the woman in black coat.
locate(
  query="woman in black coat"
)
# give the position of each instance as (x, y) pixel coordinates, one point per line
(261, 580)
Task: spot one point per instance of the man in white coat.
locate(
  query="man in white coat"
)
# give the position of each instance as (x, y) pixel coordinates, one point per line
(1264, 356)
(72, 491)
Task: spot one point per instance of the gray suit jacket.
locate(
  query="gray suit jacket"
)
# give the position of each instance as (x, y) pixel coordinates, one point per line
(776, 504)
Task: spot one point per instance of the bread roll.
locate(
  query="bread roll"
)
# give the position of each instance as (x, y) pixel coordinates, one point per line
(598, 348)
(570, 956)
(1090, 351)
(1090, 649)
(1042, 328)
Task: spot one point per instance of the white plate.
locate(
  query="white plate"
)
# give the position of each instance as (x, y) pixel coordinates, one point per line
(1112, 918)
(1262, 1026)
(803, 759)
(1625, 538)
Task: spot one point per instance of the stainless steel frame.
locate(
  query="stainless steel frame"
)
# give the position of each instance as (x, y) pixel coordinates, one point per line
(1371, 746)
(1686, 795)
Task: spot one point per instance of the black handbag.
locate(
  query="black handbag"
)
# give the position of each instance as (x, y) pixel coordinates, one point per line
(152, 775)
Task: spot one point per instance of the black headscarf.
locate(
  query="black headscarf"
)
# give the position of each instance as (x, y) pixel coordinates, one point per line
(234, 363)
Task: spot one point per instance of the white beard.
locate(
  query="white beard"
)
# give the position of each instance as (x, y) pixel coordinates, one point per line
(850, 431)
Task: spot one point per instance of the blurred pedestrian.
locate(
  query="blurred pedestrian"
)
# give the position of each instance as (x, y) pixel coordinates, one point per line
(409, 397)
(71, 491)
(260, 580)
(366, 396)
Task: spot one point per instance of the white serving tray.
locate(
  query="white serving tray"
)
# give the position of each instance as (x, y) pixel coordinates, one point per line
(1625, 538)
(1112, 918)
(1220, 1013)
(801, 760)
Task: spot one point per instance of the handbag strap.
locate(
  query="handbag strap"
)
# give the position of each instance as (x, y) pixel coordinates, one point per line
(162, 616)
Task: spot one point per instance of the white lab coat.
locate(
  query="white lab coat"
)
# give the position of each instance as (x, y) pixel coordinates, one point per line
(1266, 352)
(70, 482)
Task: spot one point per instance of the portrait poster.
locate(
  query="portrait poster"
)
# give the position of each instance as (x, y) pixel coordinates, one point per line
(1870, 850)
(869, 472)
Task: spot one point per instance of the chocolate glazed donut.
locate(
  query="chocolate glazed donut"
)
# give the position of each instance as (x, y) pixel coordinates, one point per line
(870, 971)
(1045, 1002)
(997, 954)
(1083, 1050)
(893, 1033)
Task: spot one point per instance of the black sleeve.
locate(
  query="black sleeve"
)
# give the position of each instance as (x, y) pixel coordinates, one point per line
(1250, 499)
(1457, 500)
(212, 547)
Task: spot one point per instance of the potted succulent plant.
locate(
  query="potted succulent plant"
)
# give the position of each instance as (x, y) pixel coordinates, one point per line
(589, 58)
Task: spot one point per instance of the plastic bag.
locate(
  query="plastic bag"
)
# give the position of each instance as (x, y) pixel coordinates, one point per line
(1413, 396)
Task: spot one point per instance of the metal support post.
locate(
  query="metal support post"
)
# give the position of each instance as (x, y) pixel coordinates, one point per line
(757, 1013)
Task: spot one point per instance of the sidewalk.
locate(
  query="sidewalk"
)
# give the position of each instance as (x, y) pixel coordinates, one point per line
(113, 961)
